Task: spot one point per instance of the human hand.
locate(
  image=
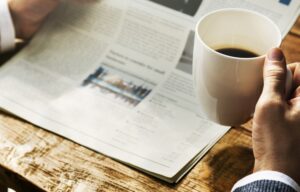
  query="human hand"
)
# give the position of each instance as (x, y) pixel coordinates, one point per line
(276, 123)
(28, 15)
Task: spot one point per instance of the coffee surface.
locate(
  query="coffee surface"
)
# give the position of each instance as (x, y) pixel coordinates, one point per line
(237, 52)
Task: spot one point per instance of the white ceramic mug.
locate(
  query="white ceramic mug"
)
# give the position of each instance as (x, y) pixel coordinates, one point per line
(229, 87)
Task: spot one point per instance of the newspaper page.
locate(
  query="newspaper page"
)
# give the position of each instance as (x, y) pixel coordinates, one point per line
(102, 74)
(116, 76)
(283, 12)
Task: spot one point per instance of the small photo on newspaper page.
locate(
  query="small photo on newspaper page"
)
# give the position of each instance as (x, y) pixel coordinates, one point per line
(117, 85)
(189, 7)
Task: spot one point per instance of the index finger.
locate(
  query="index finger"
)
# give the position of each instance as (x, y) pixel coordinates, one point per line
(295, 68)
(292, 66)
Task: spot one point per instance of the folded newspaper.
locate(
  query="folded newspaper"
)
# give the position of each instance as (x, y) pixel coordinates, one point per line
(116, 76)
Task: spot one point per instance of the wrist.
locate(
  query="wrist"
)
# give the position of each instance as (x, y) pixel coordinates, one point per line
(285, 168)
(269, 176)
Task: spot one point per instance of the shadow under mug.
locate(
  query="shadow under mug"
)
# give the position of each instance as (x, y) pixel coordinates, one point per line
(228, 88)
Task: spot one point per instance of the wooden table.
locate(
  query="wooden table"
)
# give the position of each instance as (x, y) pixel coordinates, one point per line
(32, 159)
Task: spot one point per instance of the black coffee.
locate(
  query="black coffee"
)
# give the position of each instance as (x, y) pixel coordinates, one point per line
(237, 52)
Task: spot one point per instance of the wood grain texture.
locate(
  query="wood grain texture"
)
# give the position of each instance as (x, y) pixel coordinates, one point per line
(291, 43)
(296, 28)
(291, 48)
(56, 164)
(32, 159)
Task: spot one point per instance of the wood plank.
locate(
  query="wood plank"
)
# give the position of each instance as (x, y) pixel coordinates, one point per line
(10, 179)
(3, 188)
(55, 164)
(291, 48)
(296, 28)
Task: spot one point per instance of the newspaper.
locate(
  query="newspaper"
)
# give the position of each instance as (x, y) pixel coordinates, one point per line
(116, 76)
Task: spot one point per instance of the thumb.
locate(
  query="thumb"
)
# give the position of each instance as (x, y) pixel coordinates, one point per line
(274, 74)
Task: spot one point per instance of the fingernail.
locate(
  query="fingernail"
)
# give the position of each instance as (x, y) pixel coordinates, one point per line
(275, 54)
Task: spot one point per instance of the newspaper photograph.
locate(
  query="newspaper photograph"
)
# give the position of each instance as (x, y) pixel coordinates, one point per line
(118, 85)
(189, 7)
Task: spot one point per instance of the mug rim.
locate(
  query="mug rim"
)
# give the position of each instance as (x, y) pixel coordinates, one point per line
(279, 40)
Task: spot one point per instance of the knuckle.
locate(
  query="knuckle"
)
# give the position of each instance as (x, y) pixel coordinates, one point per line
(270, 105)
(296, 63)
(275, 74)
(294, 114)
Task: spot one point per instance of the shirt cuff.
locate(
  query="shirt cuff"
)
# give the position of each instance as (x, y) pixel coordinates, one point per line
(7, 30)
(267, 175)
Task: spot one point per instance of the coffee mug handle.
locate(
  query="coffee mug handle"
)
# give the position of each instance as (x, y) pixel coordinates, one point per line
(288, 82)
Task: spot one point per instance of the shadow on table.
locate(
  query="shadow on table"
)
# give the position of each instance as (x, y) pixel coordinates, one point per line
(14, 181)
(228, 166)
(6, 56)
(219, 171)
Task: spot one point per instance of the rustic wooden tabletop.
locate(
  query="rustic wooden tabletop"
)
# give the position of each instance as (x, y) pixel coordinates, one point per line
(32, 159)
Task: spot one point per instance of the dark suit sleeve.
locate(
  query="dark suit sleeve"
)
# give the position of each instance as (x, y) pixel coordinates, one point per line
(265, 186)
